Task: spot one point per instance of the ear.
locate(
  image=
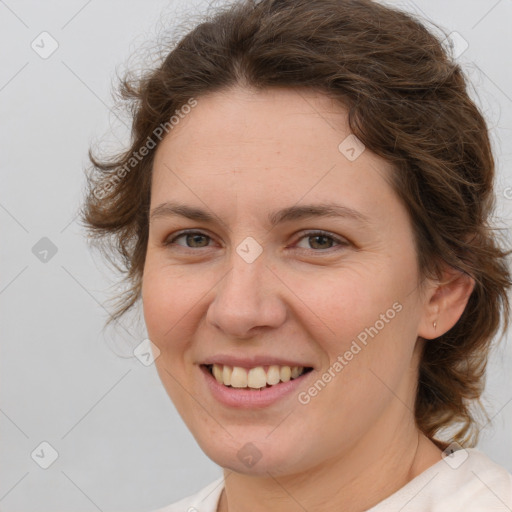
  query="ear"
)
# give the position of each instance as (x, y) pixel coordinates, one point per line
(444, 303)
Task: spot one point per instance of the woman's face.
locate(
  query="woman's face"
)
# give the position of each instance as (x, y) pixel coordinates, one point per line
(257, 287)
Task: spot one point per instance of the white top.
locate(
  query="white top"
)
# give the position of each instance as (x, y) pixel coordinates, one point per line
(466, 481)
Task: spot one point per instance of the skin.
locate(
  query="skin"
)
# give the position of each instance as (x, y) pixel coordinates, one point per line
(240, 154)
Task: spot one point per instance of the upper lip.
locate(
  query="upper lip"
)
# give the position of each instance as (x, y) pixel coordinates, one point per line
(253, 361)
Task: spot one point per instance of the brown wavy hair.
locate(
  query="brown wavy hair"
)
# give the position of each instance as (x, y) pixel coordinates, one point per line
(408, 102)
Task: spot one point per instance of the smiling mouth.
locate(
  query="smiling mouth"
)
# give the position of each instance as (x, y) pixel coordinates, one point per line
(254, 378)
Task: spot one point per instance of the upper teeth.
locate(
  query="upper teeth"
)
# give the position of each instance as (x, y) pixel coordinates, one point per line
(257, 377)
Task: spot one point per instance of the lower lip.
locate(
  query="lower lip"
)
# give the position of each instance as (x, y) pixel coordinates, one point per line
(250, 399)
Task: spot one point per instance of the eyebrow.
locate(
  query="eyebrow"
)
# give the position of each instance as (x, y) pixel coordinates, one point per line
(291, 213)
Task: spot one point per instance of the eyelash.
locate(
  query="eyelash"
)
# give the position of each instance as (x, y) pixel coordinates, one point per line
(309, 234)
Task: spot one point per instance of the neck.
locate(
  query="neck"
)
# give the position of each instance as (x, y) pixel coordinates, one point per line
(353, 481)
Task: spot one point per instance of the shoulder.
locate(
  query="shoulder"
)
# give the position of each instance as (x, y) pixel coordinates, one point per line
(482, 482)
(205, 500)
(466, 481)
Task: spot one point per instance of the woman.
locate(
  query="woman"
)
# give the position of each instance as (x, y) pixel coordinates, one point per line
(304, 212)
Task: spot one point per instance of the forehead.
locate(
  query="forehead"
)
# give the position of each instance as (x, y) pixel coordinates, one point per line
(271, 146)
(237, 121)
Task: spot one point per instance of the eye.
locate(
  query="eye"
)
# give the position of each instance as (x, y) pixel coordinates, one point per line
(196, 239)
(318, 241)
(322, 241)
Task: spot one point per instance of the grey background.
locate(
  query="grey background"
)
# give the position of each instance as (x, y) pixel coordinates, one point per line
(121, 444)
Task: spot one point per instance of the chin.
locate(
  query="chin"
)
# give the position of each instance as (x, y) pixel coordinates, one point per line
(258, 457)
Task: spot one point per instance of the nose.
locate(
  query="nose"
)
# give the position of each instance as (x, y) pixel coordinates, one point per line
(247, 300)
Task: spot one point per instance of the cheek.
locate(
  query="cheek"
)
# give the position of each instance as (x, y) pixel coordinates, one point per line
(366, 316)
(369, 358)
(169, 302)
(169, 305)
(346, 301)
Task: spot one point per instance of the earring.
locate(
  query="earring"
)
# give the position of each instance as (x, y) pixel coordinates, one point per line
(435, 324)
